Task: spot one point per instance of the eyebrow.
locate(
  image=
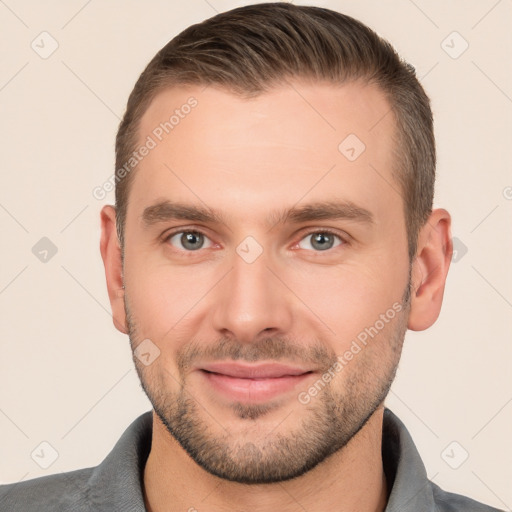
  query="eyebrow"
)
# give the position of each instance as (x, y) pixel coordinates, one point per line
(323, 210)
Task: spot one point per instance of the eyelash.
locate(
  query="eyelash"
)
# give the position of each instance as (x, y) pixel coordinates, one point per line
(328, 231)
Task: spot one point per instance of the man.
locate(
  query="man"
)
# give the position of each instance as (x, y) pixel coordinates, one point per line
(273, 239)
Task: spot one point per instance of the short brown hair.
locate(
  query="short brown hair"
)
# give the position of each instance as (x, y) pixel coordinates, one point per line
(251, 49)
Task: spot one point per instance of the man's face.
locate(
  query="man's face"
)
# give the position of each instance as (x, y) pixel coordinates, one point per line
(226, 301)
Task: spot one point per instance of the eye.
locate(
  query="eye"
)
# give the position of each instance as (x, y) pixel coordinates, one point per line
(320, 241)
(188, 240)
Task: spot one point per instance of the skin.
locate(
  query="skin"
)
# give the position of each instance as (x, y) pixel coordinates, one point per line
(294, 304)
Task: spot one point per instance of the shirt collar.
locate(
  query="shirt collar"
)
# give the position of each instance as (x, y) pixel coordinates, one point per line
(405, 471)
(116, 484)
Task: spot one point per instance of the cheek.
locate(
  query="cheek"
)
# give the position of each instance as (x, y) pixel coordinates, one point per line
(348, 299)
(162, 295)
(370, 356)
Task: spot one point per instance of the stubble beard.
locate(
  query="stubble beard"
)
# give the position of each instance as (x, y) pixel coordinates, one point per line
(324, 426)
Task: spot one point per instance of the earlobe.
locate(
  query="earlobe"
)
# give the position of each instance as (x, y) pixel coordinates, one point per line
(429, 270)
(112, 261)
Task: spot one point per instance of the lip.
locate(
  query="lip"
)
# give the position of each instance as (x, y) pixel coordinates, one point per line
(253, 383)
(254, 371)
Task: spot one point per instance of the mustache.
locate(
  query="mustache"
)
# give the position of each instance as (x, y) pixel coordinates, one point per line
(270, 348)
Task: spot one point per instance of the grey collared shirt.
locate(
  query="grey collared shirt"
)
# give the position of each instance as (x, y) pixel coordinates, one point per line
(115, 485)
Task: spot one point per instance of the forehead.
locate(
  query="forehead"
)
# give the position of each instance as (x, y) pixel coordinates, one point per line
(297, 140)
(287, 114)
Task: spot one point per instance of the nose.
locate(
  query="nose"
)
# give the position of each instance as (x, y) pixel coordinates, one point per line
(252, 302)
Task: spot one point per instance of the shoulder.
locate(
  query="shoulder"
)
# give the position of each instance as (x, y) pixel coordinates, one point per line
(411, 488)
(450, 502)
(64, 491)
(115, 484)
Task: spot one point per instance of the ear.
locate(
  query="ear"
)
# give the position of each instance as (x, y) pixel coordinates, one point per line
(429, 270)
(111, 255)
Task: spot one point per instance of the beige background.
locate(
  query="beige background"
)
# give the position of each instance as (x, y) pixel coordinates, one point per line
(66, 375)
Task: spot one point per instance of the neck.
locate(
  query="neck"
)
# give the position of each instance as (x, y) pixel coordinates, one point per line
(351, 479)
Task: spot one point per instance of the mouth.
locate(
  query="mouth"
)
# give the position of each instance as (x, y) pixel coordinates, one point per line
(253, 383)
